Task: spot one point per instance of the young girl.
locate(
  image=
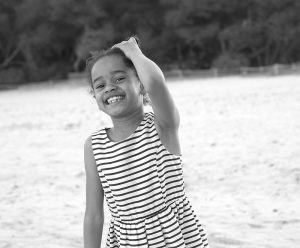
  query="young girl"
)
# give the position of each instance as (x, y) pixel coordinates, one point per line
(138, 160)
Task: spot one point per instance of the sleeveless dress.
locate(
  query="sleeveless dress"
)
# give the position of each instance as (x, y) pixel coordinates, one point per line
(144, 190)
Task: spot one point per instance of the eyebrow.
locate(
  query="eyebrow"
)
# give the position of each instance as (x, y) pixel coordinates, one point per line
(117, 71)
(96, 79)
(112, 73)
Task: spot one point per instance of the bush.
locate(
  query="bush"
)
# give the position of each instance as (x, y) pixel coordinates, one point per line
(11, 77)
(230, 60)
(55, 71)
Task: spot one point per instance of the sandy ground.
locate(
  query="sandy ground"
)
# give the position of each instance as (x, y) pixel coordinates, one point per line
(241, 151)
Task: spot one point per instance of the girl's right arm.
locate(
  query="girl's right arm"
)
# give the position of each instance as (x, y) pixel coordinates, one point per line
(94, 215)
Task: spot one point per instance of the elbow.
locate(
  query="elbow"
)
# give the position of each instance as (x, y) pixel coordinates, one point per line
(95, 221)
(94, 217)
(154, 82)
(152, 78)
(158, 77)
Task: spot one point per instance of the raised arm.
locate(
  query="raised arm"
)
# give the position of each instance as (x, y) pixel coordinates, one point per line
(152, 78)
(94, 215)
(166, 114)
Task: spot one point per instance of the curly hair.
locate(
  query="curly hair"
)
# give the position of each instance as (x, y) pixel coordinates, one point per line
(97, 55)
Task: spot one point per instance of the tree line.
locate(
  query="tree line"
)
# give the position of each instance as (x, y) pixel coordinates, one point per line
(40, 40)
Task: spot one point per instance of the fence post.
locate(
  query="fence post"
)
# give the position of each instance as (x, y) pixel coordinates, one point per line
(215, 72)
(276, 69)
(243, 71)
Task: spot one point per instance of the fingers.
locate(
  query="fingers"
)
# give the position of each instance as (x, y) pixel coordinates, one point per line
(129, 46)
(132, 40)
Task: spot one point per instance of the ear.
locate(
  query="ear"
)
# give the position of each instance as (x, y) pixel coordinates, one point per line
(142, 89)
(92, 93)
(146, 98)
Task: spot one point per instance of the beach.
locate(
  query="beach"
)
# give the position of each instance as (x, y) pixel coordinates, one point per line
(240, 139)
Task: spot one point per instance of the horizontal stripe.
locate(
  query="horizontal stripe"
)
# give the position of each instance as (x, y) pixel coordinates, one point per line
(144, 189)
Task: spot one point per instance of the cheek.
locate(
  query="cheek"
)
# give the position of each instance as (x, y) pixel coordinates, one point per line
(98, 98)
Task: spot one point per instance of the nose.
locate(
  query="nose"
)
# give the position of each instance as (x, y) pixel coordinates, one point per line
(109, 88)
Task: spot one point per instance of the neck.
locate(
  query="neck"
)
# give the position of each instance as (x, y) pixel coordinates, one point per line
(125, 126)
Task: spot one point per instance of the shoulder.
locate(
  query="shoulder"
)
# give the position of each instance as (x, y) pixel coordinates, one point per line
(88, 143)
(88, 150)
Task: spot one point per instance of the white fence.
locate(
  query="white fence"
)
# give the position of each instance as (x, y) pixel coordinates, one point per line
(274, 70)
(277, 69)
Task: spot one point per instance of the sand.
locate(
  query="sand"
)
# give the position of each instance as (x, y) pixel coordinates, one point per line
(240, 140)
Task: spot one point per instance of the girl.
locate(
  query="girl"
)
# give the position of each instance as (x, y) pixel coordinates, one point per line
(138, 160)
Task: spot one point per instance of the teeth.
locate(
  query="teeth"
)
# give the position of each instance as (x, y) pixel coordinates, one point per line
(114, 99)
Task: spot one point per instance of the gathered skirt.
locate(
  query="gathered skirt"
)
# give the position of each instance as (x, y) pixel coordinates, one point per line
(175, 226)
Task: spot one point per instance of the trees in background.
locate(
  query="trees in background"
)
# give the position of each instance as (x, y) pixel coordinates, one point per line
(268, 33)
(47, 39)
(38, 38)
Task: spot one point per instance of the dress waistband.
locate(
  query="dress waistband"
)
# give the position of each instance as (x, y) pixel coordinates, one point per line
(151, 215)
(141, 220)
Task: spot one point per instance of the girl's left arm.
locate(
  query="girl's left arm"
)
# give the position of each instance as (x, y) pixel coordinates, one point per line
(153, 80)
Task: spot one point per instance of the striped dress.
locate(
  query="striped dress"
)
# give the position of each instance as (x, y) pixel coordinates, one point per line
(144, 190)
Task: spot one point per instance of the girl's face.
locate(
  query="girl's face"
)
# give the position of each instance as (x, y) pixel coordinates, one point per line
(116, 87)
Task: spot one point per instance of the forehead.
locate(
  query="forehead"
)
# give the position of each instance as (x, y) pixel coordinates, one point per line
(107, 65)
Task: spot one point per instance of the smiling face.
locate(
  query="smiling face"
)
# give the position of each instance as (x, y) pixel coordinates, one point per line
(116, 87)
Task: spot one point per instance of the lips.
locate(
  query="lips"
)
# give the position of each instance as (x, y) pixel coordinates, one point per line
(114, 99)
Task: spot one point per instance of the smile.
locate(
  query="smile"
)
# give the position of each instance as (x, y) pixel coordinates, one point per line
(114, 99)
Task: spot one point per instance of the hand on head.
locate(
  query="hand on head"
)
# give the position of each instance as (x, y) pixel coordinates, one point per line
(129, 47)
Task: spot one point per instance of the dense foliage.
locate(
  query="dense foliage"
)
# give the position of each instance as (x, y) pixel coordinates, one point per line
(47, 39)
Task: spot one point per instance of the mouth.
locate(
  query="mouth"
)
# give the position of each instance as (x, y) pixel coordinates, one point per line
(114, 99)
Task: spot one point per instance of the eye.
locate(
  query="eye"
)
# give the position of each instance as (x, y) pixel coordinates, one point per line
(120, 79)
(99, 86)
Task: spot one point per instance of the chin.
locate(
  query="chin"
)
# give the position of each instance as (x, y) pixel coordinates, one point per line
(118, 112)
